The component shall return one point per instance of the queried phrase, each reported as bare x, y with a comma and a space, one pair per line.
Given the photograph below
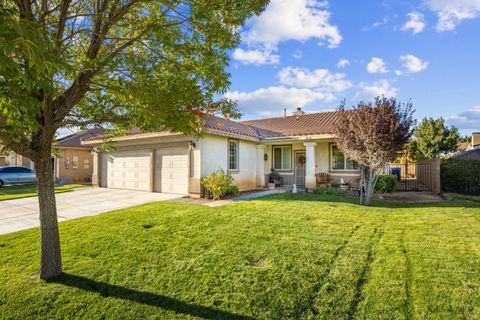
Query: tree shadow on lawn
375, 203
151, 299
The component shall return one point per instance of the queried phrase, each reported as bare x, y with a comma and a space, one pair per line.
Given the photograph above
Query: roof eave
229, 134
140, 136
300, 137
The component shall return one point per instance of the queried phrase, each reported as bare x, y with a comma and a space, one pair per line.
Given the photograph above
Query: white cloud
285, 20
324, 4
377, 65
416, 22
376, 24
271, 101
469, 119
452, 12
257, 57
342, 63
398, 72
378, 88
413, 64
298, 54
321, 79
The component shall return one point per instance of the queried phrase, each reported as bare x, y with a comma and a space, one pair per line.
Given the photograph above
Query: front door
300, 168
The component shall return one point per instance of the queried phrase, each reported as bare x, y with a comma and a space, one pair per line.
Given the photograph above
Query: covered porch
299, 161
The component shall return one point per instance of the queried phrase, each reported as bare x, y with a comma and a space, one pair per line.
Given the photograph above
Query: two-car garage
159, 170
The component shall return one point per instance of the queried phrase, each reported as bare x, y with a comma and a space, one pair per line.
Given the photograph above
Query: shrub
386, 184
232, 189
328, 191
219, 184
460, 176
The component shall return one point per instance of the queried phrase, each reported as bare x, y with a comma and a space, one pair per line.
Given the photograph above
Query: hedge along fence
460, 176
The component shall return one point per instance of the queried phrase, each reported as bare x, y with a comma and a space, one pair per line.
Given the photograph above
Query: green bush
219, 184
232, 189
460, 176
328, 191
386, 184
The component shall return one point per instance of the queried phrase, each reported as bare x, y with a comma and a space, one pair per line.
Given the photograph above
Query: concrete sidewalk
21, 214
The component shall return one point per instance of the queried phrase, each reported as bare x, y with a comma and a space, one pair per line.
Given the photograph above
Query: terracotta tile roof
235, 127
74, 140
464, 146
307, 124
310, 123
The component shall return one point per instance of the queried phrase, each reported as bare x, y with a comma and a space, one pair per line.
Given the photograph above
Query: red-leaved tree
371, 134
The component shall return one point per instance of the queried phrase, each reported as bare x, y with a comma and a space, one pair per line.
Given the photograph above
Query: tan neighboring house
297, 147
469, 150
73, 162
13, 159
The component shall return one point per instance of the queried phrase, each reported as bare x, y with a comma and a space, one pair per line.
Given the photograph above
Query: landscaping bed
285, 256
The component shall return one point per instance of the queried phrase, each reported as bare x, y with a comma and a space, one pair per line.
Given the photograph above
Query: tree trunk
50, 259
370, 177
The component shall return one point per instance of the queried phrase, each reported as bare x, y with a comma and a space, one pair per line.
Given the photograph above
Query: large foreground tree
156, 65
371, 134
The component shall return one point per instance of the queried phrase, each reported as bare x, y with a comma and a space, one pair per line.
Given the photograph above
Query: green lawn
281, 257
25, 191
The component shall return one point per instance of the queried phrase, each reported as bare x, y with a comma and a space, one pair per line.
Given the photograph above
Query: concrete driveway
21, 214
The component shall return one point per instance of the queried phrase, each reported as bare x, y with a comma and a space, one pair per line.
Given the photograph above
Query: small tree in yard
371, 134
433, 138
156, 65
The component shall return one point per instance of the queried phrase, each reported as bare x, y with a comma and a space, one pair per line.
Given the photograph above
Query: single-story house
296, 147
13, 159
469, 150
73, 162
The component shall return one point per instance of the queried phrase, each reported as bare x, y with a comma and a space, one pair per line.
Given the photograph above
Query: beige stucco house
73, 162
13, 159
469, 150
296, 146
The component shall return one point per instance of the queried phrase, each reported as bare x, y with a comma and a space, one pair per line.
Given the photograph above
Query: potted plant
344, 185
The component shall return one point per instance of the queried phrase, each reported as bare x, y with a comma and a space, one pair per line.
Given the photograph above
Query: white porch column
310, 181
260, 165
95, 168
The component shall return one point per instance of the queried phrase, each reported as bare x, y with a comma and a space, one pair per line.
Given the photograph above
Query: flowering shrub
219, 184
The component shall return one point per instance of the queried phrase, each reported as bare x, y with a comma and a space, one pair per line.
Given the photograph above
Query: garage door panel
128, 170
172, 171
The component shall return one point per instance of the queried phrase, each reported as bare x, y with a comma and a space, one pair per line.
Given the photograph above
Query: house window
340, 161
67, 163
282, 158
86, 163
233, 155
75, 162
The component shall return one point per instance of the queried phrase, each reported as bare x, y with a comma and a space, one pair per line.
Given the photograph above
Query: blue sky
313, 54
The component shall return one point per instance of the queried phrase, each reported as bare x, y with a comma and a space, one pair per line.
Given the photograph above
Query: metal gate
421, 176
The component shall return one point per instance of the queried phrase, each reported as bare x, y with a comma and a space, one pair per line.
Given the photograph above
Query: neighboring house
13, 159
297, 147
469, 150
73, 162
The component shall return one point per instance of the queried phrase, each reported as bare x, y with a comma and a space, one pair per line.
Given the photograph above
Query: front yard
26, 191
281, 257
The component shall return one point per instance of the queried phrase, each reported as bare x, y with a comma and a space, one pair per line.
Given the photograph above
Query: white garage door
126, 170
171, 175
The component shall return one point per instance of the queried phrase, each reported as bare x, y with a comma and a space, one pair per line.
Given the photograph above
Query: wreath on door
302, 160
